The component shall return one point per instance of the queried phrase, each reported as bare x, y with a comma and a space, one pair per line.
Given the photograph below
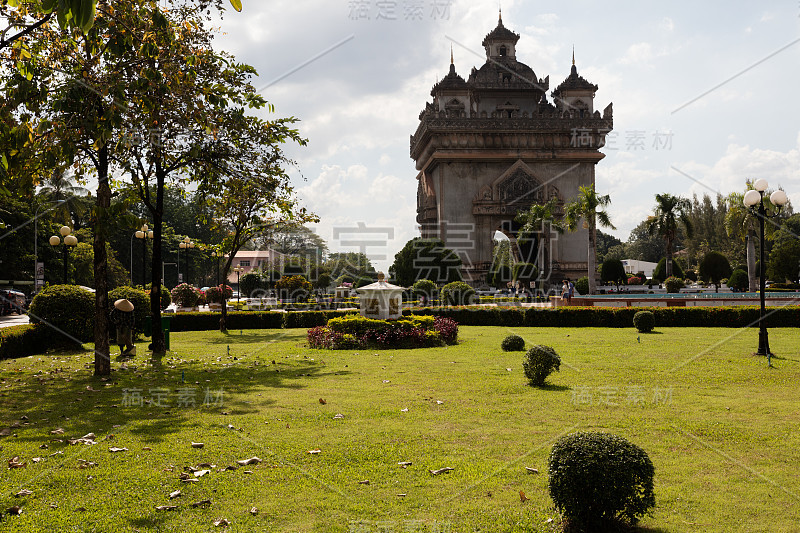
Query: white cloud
667, 24
639, 54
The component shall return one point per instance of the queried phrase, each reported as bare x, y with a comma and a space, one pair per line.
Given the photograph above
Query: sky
704, 94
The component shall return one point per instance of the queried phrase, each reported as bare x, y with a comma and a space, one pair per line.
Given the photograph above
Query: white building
251, 260
632, 266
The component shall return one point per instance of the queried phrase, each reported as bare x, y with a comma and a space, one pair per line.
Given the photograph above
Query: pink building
252, 260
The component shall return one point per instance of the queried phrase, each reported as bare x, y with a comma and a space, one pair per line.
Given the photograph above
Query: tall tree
425, 259
669, 212
589, 207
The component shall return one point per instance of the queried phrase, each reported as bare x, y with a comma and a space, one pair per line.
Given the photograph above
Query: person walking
123, 318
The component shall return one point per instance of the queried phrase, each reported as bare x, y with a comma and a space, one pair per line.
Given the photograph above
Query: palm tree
669, 211
57, 187
585, 207
537, 223
740, 222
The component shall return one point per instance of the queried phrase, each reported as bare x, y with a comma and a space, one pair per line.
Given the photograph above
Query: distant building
632, 266
253, 259
492, 145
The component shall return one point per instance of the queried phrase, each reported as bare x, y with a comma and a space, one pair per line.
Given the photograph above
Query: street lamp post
185, 245
238, 270
144, 233
36, 240
69, 242
754, 201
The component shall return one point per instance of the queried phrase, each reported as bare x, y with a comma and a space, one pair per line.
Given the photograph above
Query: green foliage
660, 272
457, 293
355, 331
293, 287
784, 258
739, 280
540, 362
249, 284
644, 321
139, 299
714, 267
582, 285
513, 343
185, 295
525, 273
670, 213
67, 309
25, 340
613, 271
691, 274
424, 287
597, 479
165, 296
673, 284
425, 259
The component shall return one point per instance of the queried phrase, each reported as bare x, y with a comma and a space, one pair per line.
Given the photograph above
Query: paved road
13, 320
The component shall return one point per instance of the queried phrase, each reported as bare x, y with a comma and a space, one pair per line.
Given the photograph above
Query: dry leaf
166, 507
57, 431
402, 495
14, 462
83, 463
197, 445
43, 447
114, 449
206, 465
314, 452
147, 449
323, 402
441, 470
338, 416
405, 464
190, 480
201, 473
15, 510
90, 436
252, 461
23, 492
531, 470
5, 432
221, 522
201, 503
254, 511
36, 459
439, 402
173, 495
522, 496
404, 410
247, 472
365, 482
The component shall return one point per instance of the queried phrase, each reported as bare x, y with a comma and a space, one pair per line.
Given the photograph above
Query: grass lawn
720, 427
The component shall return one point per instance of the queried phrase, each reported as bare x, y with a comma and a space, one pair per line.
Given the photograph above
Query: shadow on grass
240, 337
552, 387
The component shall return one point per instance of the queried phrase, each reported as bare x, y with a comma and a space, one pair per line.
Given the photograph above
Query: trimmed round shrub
293, 287
139, 299
424, 287
67, 309
185, 295
540, 362
581, 286
458, 293
739, 280
249, 284
166, 297
597, 479
644, 321
673, 284
513, 343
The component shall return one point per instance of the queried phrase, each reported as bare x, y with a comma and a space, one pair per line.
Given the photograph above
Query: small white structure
633, 266
381, 300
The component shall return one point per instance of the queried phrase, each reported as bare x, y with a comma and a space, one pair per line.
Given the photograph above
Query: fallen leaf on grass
201, 473
197, 445
441, 470
221, 523
254, 511
522, 496
43, 447
402, 495
87, 442
322, 401
201, 503
114, 449
166, 507
314, 452
530, 470
83, 463
36, 459
247, 472
405, 464
90, 436
23, 492
365, 482
147, 449
206, 465
15, 510
439, 402
14, 462
404, 410
5, 432
338, 416
57, 431
173, 495
252, 461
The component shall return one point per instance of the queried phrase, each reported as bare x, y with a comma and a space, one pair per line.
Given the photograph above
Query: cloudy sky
704, 93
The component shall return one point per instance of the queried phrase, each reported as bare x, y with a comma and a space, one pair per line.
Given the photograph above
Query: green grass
719, 426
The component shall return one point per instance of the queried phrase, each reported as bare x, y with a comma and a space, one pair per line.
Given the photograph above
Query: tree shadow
251, 338
553, 387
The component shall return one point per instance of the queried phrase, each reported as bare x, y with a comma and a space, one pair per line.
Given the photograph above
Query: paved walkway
13, 320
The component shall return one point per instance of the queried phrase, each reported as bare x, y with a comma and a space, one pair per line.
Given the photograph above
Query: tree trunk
223, 317
592, 259
102, 355
752, 275
159, 345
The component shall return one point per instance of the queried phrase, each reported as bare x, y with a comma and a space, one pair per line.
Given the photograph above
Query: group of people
567, 290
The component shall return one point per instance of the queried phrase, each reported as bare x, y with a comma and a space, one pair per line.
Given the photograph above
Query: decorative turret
451, 95
575, 93
501, 42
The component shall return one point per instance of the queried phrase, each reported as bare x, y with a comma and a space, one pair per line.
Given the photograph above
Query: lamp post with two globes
186, 244
70, 241
754, 201
144, 234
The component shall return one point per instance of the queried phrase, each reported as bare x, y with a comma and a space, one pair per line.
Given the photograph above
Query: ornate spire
500, 17
451, 54
573, 55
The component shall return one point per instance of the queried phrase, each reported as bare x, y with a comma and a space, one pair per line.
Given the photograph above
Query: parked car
11, 301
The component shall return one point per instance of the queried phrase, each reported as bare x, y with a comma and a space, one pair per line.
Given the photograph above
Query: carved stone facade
492, 145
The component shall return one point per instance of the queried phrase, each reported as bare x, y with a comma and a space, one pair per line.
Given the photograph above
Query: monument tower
493, 145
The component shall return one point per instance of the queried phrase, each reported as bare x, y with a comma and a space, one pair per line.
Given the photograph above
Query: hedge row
25, 340
253, 320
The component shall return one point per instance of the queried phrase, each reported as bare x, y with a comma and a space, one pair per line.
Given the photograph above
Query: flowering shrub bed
186, 295
355, 331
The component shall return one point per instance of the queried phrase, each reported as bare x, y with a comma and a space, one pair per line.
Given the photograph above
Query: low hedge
252, 320
25, 340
